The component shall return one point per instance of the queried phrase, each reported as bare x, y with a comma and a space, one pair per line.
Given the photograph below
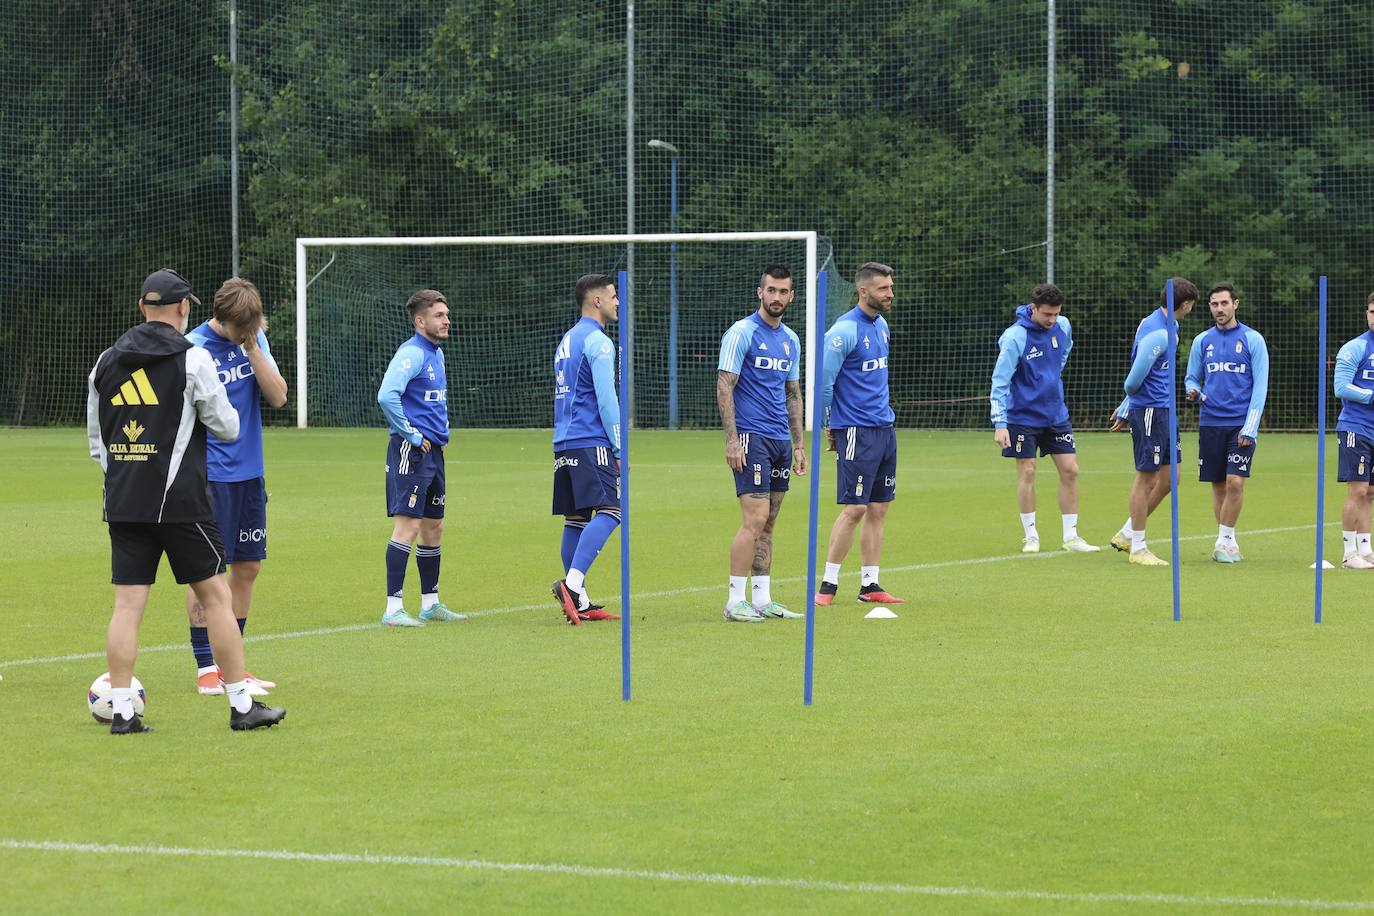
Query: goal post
814, 311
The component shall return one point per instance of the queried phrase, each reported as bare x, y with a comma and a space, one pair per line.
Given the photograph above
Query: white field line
706, 878
666, 593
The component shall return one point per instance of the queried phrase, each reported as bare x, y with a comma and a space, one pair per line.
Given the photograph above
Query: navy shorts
1051, 440
241, 516
584, 479
767, 465
193, 551
1150, 436
1356, 457
1219, 454
866, 470
415, 484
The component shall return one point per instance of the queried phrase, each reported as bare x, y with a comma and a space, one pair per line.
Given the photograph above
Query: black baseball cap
166, 287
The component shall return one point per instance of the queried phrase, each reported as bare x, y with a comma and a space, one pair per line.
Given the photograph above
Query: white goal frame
814, 311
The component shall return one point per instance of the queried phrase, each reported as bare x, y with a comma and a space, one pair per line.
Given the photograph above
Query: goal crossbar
814, 310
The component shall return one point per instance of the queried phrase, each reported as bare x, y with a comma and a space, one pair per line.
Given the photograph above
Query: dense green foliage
1217, 140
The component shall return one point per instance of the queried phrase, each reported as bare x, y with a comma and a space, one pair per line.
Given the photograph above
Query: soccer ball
100, 698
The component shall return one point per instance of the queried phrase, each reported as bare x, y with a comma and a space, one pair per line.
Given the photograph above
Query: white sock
201, 672
1363, 540
1348, 539
576, 579
428, 601
395, 603
1070, 526
763, 590
868, 575
238, 696
123, 700
832, 574
1225, 535
737, 588
1028, 523
1137, 541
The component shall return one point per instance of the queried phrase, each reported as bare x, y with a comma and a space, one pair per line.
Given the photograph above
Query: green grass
1027, 725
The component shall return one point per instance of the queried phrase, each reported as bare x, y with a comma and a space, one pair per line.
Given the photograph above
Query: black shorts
193, 549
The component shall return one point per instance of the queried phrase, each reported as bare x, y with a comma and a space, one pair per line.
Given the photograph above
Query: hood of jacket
149, 342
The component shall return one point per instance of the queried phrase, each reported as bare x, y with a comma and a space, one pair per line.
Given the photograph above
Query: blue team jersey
586, 411
1355, 385
414, 392
229, 462
1147, 385
1231, 369
854, 381
765, 358
1027, 381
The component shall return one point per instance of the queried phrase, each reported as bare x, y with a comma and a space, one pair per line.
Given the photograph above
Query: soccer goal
511, 300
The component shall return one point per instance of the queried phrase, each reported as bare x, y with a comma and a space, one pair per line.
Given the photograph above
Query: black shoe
828, 588
568, 601
257, 716
131, 726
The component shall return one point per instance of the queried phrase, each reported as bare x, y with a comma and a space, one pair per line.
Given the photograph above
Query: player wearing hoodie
1029, 413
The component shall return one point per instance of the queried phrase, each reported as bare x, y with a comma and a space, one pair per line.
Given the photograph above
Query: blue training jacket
854, 382
1355, 386
586, 411
414, 392
1027, 381
1231, 370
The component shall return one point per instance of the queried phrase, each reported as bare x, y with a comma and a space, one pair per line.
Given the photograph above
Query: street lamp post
670, 149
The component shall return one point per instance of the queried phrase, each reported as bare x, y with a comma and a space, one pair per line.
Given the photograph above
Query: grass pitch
1033, 734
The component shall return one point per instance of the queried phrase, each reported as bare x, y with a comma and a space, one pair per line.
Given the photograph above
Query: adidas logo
763, 346
135, 391
132, 430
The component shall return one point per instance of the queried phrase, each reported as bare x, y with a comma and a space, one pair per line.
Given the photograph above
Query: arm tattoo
725, 400
794, 413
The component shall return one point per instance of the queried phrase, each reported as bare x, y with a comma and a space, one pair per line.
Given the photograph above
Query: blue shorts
1052, 440
415, 483
1219, 454
241, 516
1356, 457
1150, 436
866, 470
767, 465
584, 479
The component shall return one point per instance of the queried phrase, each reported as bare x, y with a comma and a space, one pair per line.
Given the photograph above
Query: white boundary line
667, 593
707, 878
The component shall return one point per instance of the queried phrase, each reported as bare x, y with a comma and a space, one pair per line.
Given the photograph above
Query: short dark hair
871, 270
776, 271
588, 283
1046, 294
1184, 291
1222, 287
423, 301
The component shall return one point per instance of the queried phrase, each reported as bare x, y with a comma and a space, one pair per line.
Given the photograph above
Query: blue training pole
1173, 439
625, 395
1321, 439
811, 527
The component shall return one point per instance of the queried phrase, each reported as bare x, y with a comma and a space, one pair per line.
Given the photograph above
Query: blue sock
200, 645
243, 622
397, 555
427, 561
593, 539
572, 533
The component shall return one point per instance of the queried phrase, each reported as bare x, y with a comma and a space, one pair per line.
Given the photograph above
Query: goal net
510, 300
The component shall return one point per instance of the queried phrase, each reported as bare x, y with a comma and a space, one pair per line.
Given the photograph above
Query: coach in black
150, 399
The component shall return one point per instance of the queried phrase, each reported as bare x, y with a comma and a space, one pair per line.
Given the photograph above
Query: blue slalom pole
818, 358
625, 395
1173, 439
1321, 439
